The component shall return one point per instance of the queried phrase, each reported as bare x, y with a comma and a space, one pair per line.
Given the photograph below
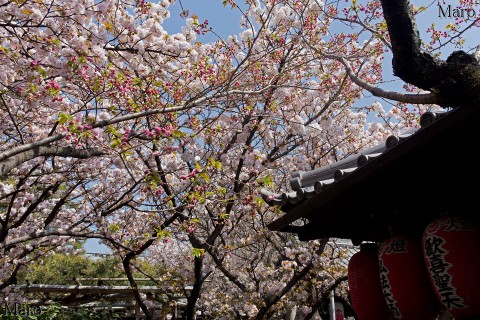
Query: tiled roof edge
306, 184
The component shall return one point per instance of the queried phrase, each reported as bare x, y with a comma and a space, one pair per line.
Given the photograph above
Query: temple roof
397, 186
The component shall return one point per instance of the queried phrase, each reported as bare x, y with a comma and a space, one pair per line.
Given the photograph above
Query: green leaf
215, 164
56, 41
162, 233
177, 134
267, 181
198, 252
137, 82
116, 142
42, 72
224, 216
63, 118
259, 200
205, 177
221, 190
113, 228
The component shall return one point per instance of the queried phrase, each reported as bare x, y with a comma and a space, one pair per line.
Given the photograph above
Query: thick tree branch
197, 287
424, 98
420, 98
409, 63
56, 209
29, 146
8, 165
127, 262
456, 81
34, 149
12, 279
51, 189
233, 278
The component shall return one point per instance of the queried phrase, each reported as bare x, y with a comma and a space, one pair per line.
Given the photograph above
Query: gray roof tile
309, 187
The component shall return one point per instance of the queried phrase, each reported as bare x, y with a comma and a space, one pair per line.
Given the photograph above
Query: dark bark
126, 262
196, 290
456, 81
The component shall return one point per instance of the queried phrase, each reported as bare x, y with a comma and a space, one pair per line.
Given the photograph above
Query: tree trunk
456, 81
197, 288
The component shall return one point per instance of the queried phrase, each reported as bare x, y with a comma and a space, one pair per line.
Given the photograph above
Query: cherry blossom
158, 144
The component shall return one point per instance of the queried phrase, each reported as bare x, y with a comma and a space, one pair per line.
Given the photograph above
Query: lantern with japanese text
404, 280
364, 282
451, 248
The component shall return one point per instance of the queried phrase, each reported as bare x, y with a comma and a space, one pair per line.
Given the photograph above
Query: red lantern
364, 282
405, 282
451, 248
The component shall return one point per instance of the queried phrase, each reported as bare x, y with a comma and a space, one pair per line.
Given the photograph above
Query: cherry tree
158, 144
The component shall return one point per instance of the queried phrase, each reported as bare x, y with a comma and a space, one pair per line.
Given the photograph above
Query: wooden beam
53, 288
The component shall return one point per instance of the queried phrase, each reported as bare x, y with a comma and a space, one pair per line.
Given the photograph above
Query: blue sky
223, 19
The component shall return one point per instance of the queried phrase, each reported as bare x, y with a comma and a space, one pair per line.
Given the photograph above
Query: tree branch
456, 81
197, 287
187, 106
409, 63
427, 98
421, 98
30, 146
298, 276
269, 302
8, 165
324, 297
233, 278
34, 149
